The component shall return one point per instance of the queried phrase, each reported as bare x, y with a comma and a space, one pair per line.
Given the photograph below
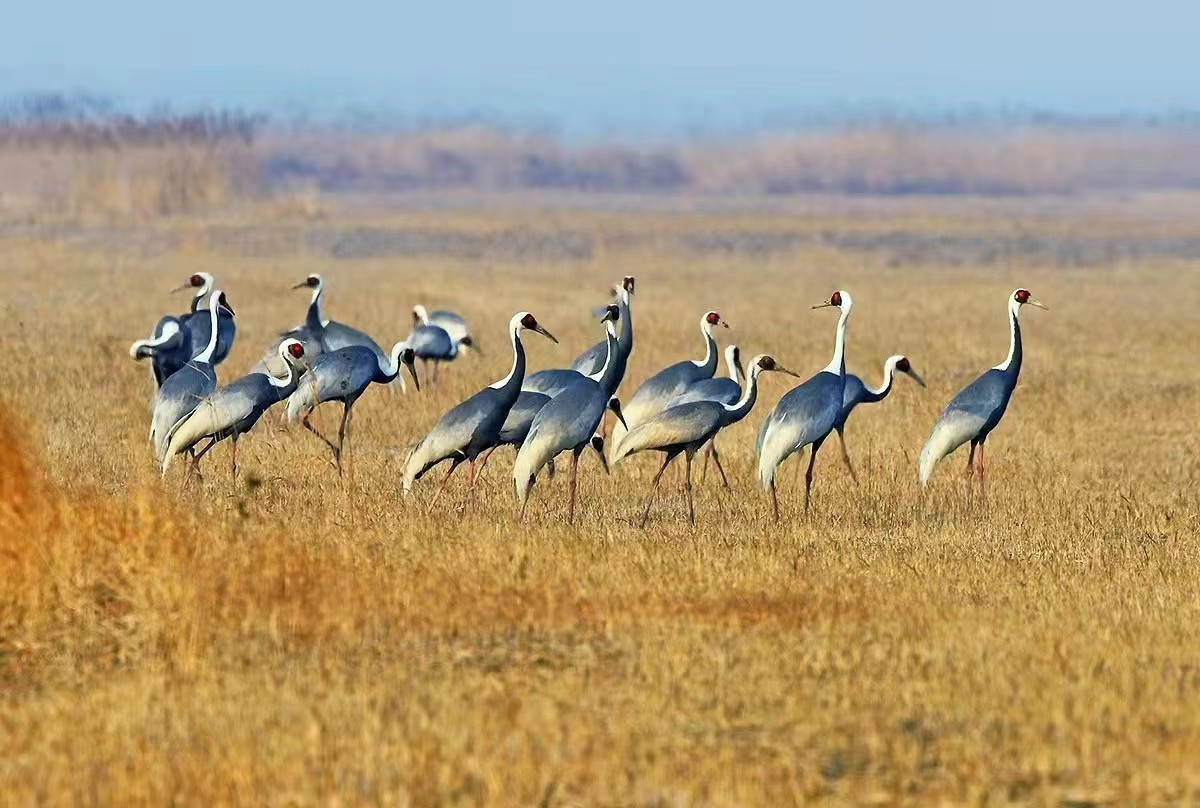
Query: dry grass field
293, 640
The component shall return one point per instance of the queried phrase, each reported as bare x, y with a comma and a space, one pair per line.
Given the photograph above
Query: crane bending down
233, 410
568, 422
344, 375
722, 389
473, 426
168, 349
657, 392
184, 390
857, 393
553, 381
806, 414
451, 322
977, 409
685, 428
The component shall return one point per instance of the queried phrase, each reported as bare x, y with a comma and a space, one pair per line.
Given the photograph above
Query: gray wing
339, 335
660, 389
592, 360
452, 323
852, 396
553, 382
678, 425
721, 390
431, 342
520, 417
176, 399
806, 413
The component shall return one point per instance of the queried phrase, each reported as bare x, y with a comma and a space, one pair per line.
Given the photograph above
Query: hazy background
634, 67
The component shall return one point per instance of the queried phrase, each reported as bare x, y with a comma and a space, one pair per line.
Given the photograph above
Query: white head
901, 364
291, 351
710, 321
420, 315
314, 282
839, 299
625, 290
524, 321
201, 283
1022, 297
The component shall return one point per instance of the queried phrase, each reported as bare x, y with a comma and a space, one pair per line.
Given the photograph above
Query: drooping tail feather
952, 431
533, 455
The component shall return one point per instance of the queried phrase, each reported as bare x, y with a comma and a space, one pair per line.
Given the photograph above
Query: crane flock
680, 410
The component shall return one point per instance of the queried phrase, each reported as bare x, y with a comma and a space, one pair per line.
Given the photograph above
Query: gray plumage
183, 391
233, 409
520, 417
567, 423
977, 409
805, 415
657, 392
592, 360
473, 426
724, 389
453, 323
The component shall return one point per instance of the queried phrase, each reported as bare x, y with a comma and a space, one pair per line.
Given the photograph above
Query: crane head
905, 367
295, 349
837, 300
528, 322
763, 363
311, 282
611, 314
200, 281
712, 319
628, 283
1024, 296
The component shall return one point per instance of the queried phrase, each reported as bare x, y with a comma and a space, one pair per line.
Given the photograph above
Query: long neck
709, 362
207, 354
738, 411
881, 392
389, 366
626, 339
286, 381
1012, 365
838, 364
316, 315
199, 299
609, 377
511, 384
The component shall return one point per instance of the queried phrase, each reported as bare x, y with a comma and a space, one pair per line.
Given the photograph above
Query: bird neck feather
1012, 364
837, 365
207, 354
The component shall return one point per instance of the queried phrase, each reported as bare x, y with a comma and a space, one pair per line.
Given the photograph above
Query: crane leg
970, 472
454, 464
654, 488
982, 478
308, 425
775, 501
808, 475
708, 450
846, 456
233, 457
572, 487
550, 470
687, 485
482, 465
716, 456
337, 453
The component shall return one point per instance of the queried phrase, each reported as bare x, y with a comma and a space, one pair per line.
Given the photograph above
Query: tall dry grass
289, 639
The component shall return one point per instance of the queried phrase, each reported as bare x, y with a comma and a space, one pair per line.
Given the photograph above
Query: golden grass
290, 640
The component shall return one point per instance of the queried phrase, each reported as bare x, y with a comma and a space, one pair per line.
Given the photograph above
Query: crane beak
181, 288
598, 445
913, 374
824, 305
301, 285
614, 404
546, 334
781, 369
410, 361
1039, 304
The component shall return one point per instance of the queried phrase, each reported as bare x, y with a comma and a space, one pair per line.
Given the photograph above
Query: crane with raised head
473, 426
568, 423
806, 414
977, 409
723, 389
199, 323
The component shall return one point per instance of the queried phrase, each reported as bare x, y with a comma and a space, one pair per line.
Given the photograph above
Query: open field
290, 640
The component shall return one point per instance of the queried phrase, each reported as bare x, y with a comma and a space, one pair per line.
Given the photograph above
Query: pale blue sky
592, 67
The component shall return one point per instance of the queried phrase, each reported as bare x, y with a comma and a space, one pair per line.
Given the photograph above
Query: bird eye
296, 350
713, 318
528, 321
836, 300
1022, 295
196, 280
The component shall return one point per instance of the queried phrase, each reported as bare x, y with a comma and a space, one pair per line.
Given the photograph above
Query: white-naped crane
553, 381
183, 391
684, 428
657, 392
857, 393
568, 423
806, 414
473, 426
977, 409
722, 389
200, 324
343, 375
432, 343
233, 409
